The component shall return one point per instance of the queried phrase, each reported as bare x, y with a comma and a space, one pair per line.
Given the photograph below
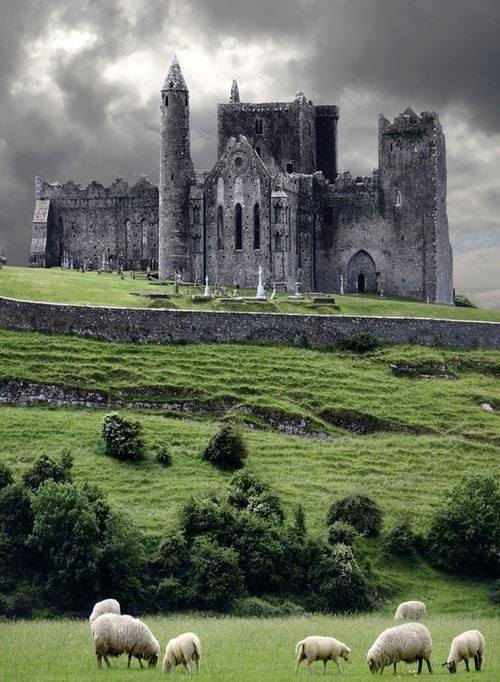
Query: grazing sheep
184, 649
469, 644
104, 606
321, 649
409, 643
114, 635
411, 610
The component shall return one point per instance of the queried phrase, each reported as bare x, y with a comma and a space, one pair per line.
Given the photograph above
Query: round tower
176, 176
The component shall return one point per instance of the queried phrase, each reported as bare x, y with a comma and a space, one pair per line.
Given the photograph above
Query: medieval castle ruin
273, 199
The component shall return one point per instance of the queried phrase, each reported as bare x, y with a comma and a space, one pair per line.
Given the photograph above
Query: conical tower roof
175, 79
235, 93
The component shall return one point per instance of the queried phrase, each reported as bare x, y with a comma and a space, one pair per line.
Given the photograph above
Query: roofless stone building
274, 198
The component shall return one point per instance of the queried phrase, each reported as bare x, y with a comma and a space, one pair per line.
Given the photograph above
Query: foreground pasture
233, 648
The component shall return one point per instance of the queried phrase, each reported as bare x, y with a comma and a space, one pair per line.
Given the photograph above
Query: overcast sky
80, 81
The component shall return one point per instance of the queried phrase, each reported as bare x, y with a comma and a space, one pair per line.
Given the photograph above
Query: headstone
261, 292
341, 285
274, 295
206, 292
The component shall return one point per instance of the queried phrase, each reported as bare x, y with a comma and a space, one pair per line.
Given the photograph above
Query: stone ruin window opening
289, 167
171, 176
328, 215
238, 228
361, 283
196, 214
258, 126
186, 99
256, 226
257, 149
398, 199
166, 100
196, 243
220, 228
392, 146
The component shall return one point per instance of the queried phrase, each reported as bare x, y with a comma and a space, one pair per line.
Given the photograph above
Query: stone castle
273, 199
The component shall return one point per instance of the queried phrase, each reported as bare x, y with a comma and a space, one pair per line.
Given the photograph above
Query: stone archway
361, 274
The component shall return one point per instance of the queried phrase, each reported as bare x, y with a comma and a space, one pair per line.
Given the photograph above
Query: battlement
409, 122
94, 190
327, 111
345, 183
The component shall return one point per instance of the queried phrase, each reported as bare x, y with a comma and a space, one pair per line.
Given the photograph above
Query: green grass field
64, 286
243, 650
436, 430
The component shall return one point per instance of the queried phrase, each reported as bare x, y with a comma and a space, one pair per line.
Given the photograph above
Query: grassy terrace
62, 286
425, 431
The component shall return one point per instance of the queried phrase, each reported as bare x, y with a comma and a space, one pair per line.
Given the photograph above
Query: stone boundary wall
188, 326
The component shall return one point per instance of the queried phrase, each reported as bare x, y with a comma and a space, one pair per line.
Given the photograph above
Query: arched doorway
361, 274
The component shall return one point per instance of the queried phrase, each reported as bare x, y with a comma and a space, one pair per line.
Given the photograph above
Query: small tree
400, 540
465, 533
46, 469
122, 437
338, 582
227, 448
360, 511
215, 579
344, 533
248, 492
6, 477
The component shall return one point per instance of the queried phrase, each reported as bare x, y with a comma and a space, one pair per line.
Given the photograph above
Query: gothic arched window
238, 228
256, 226
220, 228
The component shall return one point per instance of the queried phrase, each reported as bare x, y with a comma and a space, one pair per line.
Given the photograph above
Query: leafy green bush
46, 469
400, 540
16, 524
464, 536
122, 437
209, 516
360, 343
344, 533
227, 448
215, 579
358, 510
337, 581
6, 477
257, 607
248, 492
494, 595
164, 457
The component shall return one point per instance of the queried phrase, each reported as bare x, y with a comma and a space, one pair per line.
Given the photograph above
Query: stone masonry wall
174, 326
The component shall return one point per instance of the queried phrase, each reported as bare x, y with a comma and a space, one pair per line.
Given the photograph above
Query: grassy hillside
63, 286
258, 649
423, 433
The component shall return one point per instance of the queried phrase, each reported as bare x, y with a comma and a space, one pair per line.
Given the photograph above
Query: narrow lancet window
238, 228
256, 226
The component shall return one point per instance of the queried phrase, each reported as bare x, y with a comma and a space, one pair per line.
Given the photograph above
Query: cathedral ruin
275, 198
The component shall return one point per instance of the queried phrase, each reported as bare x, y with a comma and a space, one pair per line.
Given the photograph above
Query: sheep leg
324, 666
429, 666
106, 659
479, 661
300, 658
128, 662
395, 671
189, 667
419, 666
140, 662
467, 664
309, 667
197, 663
99, 660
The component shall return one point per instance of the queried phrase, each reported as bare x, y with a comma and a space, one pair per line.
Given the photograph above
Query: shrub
16, 523
338, 582
256, 607
164, 457
122, 437
299, 516
248, 492
360, 343
344, 533
465, 533
494, 595
215, 579
400, 540
227, 448
209, 516
6, 477
46, 469
358, 510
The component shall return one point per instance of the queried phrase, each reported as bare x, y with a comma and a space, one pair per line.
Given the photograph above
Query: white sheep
114, 635
184, 649
409, 643
104, 606
469, 644
321, 649
411, 610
